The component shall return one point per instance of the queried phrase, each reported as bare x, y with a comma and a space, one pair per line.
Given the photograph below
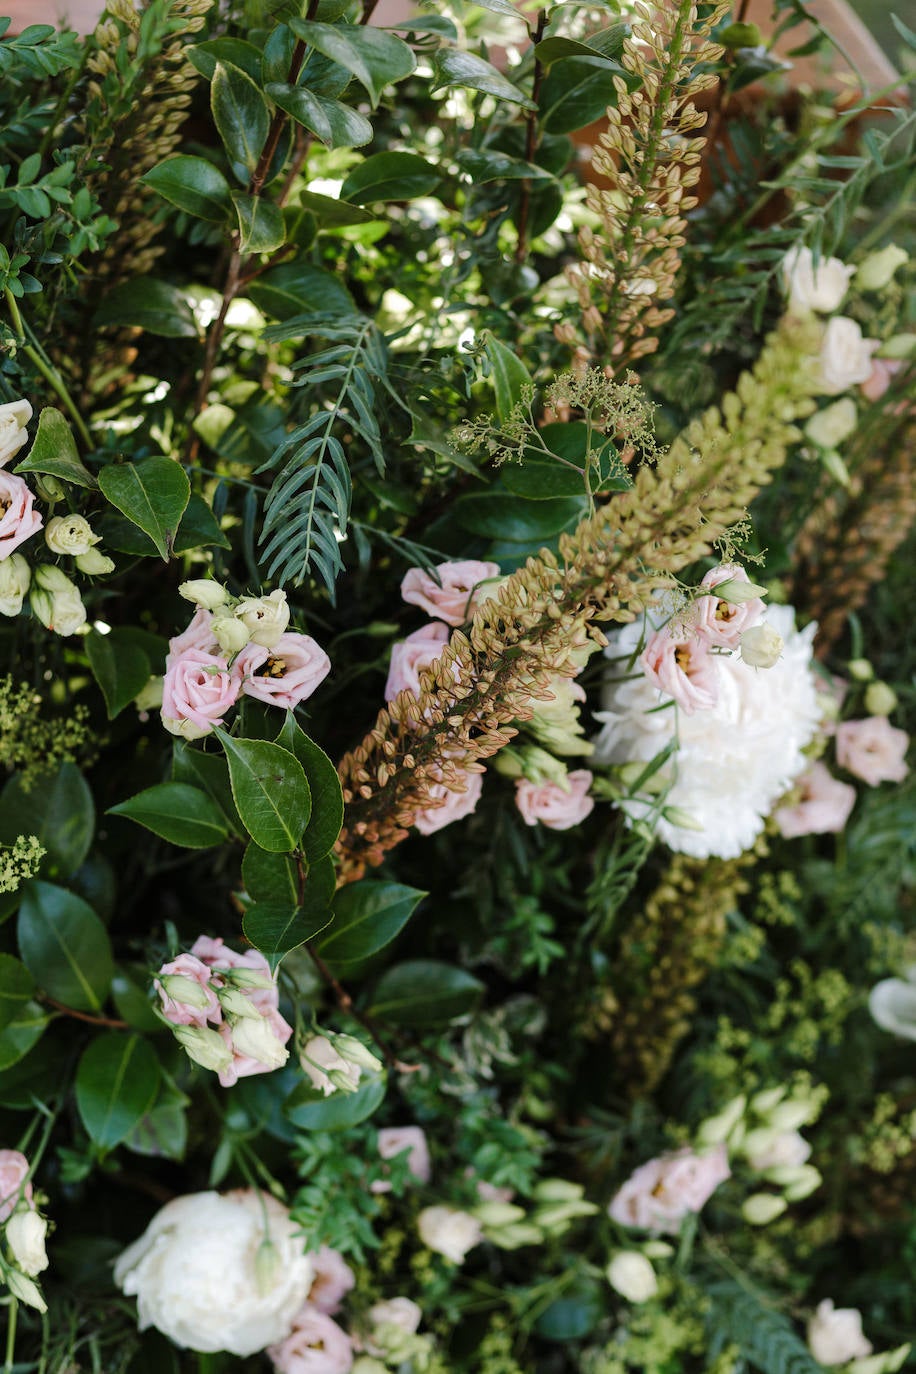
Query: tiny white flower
819, 288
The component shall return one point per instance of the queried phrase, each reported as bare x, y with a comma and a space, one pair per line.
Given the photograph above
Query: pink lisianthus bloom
722, 623
411, 655
872, 750
198, 636
18, 521
456, 805
197, 692
552, 804
284, 674
14, 1170
182, 1013
660, 1194
333, 1280
682, 668
822, 809
246, 1065
455, 599
393, 1140
883, 371
316, 1345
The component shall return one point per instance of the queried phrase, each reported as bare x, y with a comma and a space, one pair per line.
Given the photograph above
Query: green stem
46, 368
15, 315
11, 1336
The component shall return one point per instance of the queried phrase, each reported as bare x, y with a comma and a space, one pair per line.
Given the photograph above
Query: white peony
735, 759
195, 1272
815, 288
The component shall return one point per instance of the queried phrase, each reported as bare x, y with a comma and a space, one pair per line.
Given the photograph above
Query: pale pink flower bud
319, 1060
557, 805
187, 996
453, 597
872, 750
394, 1140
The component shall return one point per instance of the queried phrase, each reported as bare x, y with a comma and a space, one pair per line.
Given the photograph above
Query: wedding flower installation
456, 827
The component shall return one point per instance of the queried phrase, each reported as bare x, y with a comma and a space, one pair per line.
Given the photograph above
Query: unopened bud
676, 815
880, 699
203, 591
788, 1116
204, 1046
763, 1103
25, 1289
632, 1276
498, 1213
898, 347
876, 270
740, 35
355, 1052
717, 1129
762, 1208
25, 1235
94, 564
234, 1000
834, 466
253, 1037
761, 646
267, 1266
735, 591
557, 1190
230, 634
343, 1082
516, 1235
245, 977
178, 988
860, 669
796, 1182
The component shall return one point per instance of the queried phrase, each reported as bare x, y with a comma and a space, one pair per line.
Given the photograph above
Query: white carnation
736, 759
195, 1272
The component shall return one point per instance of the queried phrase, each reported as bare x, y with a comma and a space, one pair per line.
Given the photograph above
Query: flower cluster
213, 986
22, 1228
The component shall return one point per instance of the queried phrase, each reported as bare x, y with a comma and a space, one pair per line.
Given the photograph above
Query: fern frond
738, 1316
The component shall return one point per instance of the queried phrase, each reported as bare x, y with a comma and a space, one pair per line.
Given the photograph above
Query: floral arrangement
456, 837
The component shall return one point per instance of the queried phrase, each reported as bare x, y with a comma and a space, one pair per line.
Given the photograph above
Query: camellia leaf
116, 1084
270, 878
324, 784
64, 946
204, 56
240, 113
261, 225
54, 451
194, 185
276, 929
425, 992
455, 67
58, 809
576, 92
313, 1112
270, 791
367, 916
374, 57
508, 374
336, 124
298, 288
152, 494
181, 814
119, 666
156, 306
16, 988
210, 772
21, 1034
390, 176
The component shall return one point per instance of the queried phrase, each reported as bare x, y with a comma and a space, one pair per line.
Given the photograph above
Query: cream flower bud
245, 977
94, 564
203, 591
234, 1001
788, 1116
355, 1052
55, 601
149, 698
761, 646
876, 270
230, 634
25, 1235
763, 1102
736, 591
25, 1289
880, 699
449, 1232
796, 1183
860, 669
829, 427
898, 346
762, 1208
557, 1190
15, 576
834, 466
631, 1275
265, 617
70, 534
326, 1068
185, 990
255, 1038
716, 1129
204, 1046
267, 1264
14, 416
498, 1213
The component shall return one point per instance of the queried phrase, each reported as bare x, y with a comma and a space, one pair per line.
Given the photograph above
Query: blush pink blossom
197, 692
18, 521
181, 1013
660, 1194
883, 371
454, 597
216, 954
411, 655
198, 636
316, 1345
872, 750
719, 622
333, 1280
682, 668
552, 804
822, 809
455, 806
245, 1065
393, 1140
14, 1170
286, 673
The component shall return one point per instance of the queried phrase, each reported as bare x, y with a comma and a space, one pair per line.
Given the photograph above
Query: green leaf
150, 304
240, 113
270, 791
538, 478
331, 213
270, 878
367, 917
261, 224
199, 528
455, 67
24, 1031
119, 666
324, 784
276, 929
194, 185
116, 1084
181, 814
204, 56
210, 772
58, 809
340, 1110
64, 946
54, 451
129, 994
390, 176
335, 124
504, 517
576, 92
16, 987
508, 374
152, 494
487, 165
163, 1132
298, 288
425, 992
374, 57
573, 1314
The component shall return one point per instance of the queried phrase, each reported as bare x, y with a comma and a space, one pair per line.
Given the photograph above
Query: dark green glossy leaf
199, 528
146, 303
129, 994
270, 791
194, 185
425, 992
58, 808
204, 56
340, 1110
152, 494
261, 225
276, 929
298, 288
270, 878
483, 166
576, 92
374, 57
327, 797
455, 67
508, 374
182, 814
64, 946
336, 124
119, 666
506, 518
16, 988
390, 176
20, 1034
116, 1084
367, 917
54, 451
240, 113
210, 772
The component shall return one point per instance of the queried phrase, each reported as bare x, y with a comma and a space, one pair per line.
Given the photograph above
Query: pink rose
660, 1193
723, 622
822, 809
556, 806
18, 521
393, 1140
14, 1170
333, 1278
184, 1013
197, 691
245, 1065
198, 636
411, 655
883, 371
284, 674
455, 807
316, 1345
683, 668
872, 750
454, 596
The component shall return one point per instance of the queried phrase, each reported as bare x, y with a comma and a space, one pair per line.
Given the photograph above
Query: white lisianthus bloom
195, 1272
70, 534
845, 357
632, 1276
15, 576
449, 1232
398, 1312
819, 288
735, 759
14, 416
835, 1334
264, 617
25, 1235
